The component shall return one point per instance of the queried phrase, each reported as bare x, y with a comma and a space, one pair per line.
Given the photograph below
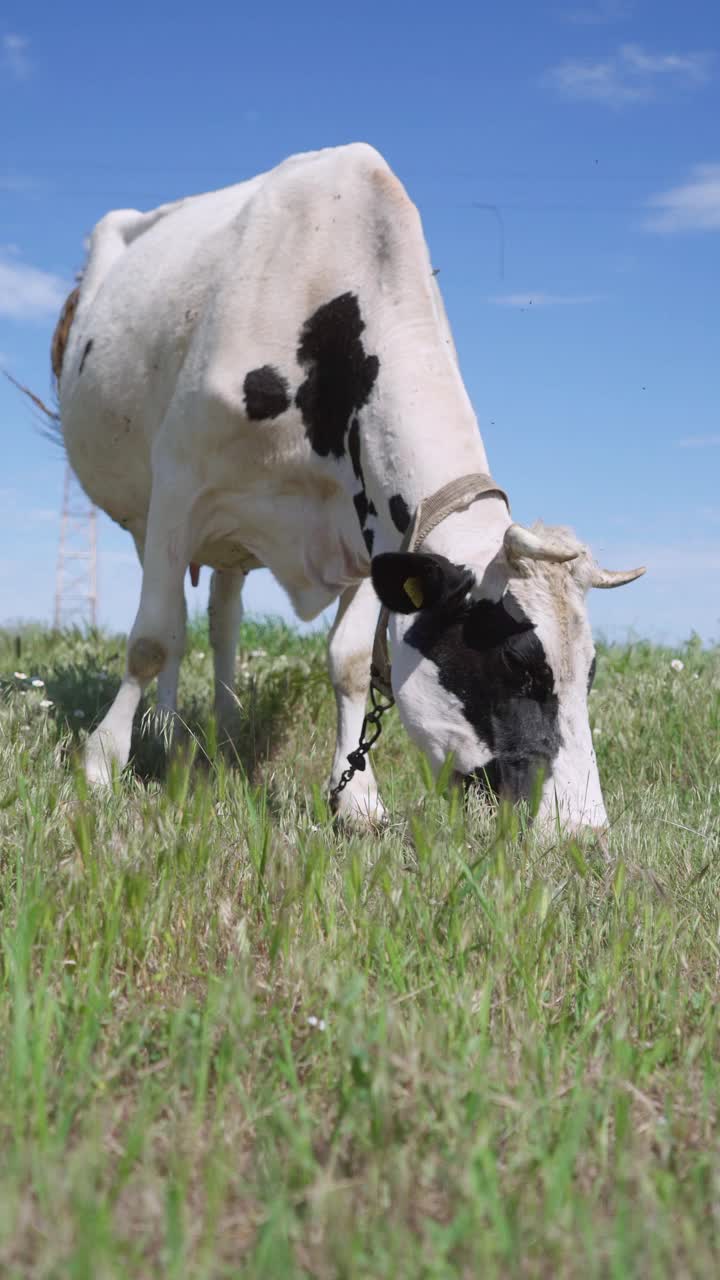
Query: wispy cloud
16, 182
15, 60
28, 293
15, 512
699, 442
120, 557
522, 300
43, 515
599, 14
682, 562
665, 561
694, 206
629, 76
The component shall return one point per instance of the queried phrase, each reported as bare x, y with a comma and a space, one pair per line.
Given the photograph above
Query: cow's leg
225, 616
167, 681
349, 656
157, 638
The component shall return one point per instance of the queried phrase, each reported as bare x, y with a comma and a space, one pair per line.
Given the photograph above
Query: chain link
356, 759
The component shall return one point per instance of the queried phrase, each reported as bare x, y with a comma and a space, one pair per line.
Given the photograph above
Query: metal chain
356, 759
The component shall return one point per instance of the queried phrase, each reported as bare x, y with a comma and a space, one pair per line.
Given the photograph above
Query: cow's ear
406, 581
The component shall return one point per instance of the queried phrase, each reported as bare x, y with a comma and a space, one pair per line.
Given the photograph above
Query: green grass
236, 1043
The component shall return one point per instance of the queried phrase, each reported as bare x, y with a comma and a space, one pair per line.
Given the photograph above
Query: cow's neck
419, 431
472, 537
413, 465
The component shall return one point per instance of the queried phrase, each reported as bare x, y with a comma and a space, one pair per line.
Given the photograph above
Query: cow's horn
520, 542
614, 577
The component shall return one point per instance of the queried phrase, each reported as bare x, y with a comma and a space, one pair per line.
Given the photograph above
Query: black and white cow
265, 375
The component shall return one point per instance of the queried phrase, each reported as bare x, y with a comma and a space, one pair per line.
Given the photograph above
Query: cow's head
495, 665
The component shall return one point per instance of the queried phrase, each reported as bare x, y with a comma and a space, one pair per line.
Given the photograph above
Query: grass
234, 1042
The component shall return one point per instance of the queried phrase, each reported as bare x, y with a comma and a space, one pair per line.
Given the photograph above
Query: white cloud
695, 206
15, 183
671, 601
522, 300
28, 293
628, 76
121, 557
693, 67
15, 60
15, 513
599, 14
665, 562
700, 442
677, 563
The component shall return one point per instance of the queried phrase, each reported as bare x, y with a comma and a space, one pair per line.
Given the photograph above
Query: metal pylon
76, 577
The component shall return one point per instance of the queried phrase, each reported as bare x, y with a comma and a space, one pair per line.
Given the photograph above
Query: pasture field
235, 1042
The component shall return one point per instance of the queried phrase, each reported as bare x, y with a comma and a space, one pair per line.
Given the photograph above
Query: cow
265, 376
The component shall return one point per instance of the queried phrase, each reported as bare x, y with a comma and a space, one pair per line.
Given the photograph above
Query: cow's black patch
591, 673
399, 512
354, 449
266, 393
361, 506
509, 779
443, 586
369, 536
85, 354
340, 376
489, 656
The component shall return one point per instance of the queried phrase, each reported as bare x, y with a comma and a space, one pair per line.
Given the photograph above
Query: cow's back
178, 301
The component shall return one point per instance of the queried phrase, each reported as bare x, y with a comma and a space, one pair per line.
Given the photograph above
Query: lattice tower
76, 577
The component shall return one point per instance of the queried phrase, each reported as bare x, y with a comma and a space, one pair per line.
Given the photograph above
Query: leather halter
455, 496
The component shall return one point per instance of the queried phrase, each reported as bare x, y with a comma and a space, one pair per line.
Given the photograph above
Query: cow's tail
50, 426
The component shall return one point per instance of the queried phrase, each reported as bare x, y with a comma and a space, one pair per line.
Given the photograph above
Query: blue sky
565, 158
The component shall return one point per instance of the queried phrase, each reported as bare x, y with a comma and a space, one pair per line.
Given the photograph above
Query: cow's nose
507, 779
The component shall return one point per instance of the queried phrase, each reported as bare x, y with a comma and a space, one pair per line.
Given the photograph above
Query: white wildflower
20, 675
677, 665
37, 683
319, 1023
46, 702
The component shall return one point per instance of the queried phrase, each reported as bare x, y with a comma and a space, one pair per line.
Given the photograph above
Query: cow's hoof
101, 752
364, 812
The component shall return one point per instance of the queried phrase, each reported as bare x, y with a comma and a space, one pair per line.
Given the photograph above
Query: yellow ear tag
413, 590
